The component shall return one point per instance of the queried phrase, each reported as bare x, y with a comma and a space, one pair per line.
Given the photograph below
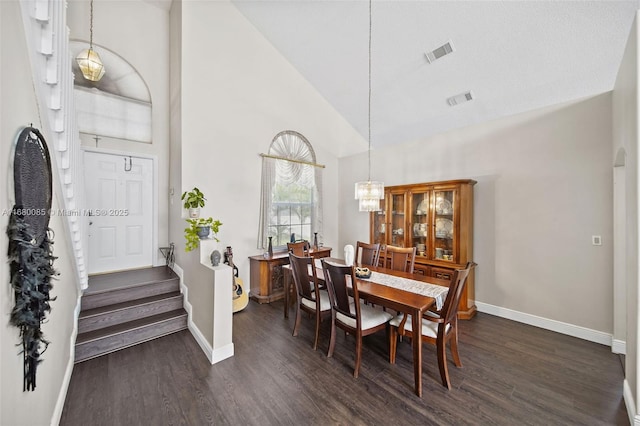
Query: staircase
125, 308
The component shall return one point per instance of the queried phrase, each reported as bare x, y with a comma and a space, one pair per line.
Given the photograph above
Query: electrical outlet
596, 240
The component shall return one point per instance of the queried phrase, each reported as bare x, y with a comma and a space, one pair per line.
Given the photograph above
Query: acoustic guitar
240, 296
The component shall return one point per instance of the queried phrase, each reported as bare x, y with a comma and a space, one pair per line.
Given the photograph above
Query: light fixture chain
369, 105
91, 26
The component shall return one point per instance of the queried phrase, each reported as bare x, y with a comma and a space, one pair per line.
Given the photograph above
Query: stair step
110, 339
120, 287
107, 316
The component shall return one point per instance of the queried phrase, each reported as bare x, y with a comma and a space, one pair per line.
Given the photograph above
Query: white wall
544, 188
625, 137
138, 31
238, 92
18, 108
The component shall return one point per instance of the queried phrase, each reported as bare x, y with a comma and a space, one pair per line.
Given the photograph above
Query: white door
119, 202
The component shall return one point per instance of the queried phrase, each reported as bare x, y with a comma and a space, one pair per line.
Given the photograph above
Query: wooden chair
311, 299
367, 254
349, 314
399, 258
300, 248
438, 327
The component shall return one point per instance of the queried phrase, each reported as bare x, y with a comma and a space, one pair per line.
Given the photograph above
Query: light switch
596, 240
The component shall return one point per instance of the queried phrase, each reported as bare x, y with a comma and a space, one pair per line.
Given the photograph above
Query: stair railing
47, 36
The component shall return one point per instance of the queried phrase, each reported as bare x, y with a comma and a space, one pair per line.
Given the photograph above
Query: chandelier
88, 60
369, 193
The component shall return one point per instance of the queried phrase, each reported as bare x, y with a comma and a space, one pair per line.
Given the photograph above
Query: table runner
438, 292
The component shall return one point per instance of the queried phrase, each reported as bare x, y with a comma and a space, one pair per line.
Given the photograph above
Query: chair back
300, 248
367, 254
450, 309
337, 278
400, 258
300, 272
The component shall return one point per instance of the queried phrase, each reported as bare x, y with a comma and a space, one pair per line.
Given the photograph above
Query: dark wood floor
513, 374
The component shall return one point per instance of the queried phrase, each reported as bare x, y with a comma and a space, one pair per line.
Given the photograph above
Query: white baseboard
66, 379
547, 324
222, 353
630, 404
619, 347
202, 341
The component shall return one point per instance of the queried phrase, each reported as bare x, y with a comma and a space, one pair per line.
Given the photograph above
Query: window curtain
266, 197
292, 145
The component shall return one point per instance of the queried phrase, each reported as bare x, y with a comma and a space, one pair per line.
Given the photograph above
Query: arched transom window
291, 191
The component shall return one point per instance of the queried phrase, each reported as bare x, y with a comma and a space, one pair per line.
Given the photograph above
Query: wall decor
30, 250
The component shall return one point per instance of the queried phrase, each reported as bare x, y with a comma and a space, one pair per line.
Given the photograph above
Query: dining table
404, 292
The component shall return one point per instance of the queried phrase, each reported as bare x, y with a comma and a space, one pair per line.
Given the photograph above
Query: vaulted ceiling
512, 56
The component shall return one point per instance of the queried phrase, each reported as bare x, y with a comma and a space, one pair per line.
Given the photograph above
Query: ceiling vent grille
461, 98
441, 51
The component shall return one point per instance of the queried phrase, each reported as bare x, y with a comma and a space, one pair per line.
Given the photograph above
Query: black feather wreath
31, 248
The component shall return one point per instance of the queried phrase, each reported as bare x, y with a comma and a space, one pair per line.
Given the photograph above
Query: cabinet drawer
422, 270
441, 273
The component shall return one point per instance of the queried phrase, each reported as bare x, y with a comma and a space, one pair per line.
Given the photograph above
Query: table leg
416, 341
287, 283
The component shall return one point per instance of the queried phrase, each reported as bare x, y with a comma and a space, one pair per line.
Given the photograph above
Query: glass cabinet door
397, 219
378, 225
419, 226
444, 226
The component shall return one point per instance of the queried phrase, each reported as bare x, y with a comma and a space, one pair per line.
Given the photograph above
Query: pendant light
369, 193
88, 60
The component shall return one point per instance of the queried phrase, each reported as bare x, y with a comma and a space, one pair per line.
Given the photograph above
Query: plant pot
204, 231
194, 213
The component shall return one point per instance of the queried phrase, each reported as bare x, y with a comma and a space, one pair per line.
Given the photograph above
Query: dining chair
399, 258
367, 254
350, 314
438, 327
311, 299
300, 248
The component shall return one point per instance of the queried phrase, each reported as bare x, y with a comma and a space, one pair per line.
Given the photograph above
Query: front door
119, 202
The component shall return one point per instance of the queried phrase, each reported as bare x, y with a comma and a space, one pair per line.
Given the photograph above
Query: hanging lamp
88, 60
369, 193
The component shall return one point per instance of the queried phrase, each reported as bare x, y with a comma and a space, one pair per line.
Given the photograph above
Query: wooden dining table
408, 302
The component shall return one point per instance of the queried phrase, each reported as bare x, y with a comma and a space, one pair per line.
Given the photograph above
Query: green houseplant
198, 229
192, 201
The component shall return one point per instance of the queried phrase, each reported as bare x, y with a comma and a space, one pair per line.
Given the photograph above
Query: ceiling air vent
461, 98
441, 51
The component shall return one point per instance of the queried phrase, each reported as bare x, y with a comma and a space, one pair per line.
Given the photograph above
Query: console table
267, 279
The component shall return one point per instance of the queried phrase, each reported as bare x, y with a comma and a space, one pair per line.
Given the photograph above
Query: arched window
291, 201
117, 106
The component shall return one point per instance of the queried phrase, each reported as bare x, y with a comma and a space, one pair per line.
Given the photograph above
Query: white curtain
266, 196
291, 145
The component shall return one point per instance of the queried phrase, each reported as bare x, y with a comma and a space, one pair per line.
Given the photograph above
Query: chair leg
441, 347
454, 348
332, 338
393, 342
297, 323
356, 368
315, 342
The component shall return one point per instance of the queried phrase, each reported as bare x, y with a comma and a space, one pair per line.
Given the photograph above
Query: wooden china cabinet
437, 219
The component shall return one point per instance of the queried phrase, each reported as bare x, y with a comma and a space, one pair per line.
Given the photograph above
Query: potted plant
192, 201
199, 229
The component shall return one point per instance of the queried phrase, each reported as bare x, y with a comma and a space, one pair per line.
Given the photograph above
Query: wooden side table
266, 275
